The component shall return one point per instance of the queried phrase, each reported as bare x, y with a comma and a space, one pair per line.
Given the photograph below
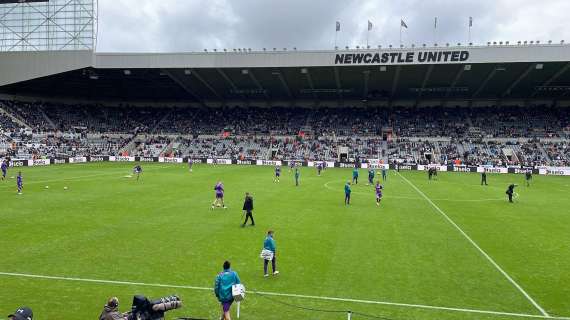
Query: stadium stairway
14, 118
45, 116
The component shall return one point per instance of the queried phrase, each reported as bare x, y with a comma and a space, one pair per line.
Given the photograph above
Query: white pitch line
505, 274
291, 295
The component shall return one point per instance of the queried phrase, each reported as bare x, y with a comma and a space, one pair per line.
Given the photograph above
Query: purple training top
379, 190
219, 188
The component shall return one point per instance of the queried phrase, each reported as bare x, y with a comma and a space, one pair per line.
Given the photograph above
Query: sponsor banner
246, 162
461, 169
345, 165
518, 170
268, 163
559, 171
170, 160
146, 159
404, 167
20, 163
555, 171
77, 160
122, 159
59, 161
100, 158
376, 165
492, 169
219, 161
427, 167
188, 160
41, 162
295, 163
327, 164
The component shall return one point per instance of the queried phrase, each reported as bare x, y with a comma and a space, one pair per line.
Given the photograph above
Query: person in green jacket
223, 289
297, 175
269, 244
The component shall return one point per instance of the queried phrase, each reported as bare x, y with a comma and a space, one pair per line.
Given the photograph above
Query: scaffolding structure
54, 25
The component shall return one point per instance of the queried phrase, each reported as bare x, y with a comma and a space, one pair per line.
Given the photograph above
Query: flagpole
400, 33
435, 30
335, 37
469, 32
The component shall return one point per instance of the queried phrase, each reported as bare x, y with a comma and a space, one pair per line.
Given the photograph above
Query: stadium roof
500, 73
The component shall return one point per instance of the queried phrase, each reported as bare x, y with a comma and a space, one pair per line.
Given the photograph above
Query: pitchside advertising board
21, 1
372, 164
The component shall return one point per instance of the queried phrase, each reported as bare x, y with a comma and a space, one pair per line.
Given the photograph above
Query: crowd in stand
536, 135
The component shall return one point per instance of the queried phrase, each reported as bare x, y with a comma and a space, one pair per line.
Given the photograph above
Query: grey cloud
192, 25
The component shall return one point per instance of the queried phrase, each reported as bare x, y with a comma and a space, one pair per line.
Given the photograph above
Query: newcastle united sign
403, 57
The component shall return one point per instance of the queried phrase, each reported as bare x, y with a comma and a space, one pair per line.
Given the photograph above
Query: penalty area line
291, 295
487, 256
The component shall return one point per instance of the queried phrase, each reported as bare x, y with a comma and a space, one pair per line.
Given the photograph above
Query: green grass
160, 230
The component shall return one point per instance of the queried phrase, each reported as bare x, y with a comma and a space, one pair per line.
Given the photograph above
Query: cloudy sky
193, 25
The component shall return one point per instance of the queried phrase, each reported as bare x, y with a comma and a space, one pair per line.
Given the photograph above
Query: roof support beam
366, 75
257, 84
395, 82
553, 78
424, 82
183, 85
455, 80
310, 81
519, 79
338, 83
279, 75
206, 84
484, 83
230, 82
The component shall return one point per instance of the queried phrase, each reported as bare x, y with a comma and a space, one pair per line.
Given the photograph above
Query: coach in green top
223, 289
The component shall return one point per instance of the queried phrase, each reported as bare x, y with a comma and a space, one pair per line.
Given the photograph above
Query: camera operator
111, 311
22, 313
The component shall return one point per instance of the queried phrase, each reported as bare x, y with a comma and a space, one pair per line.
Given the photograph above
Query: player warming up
277, 174
371, 176
190, 163
355, 175
510, 191
137, 170
347, 192
319, 168
378, 189
4, 167
528, 177
297, 176
20, 183
219, 202
384, 174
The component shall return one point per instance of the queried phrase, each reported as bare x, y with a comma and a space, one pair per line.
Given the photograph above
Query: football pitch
443, 249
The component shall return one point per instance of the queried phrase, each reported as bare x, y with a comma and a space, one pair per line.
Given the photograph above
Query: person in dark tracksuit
528, 177
510, 191
248, 208
484, 178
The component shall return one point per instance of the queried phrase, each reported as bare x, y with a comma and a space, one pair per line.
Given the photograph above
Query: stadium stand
530, 136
